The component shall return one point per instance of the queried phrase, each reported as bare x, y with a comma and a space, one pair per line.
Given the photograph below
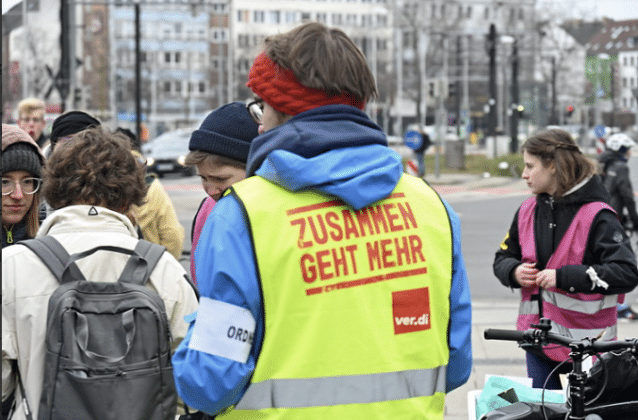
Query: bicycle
576, 407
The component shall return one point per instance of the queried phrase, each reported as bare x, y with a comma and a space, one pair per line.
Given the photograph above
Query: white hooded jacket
27, 285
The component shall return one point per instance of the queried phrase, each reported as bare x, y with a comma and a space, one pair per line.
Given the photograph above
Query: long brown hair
559, 147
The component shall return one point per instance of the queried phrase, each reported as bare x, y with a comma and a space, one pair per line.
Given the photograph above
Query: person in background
91, 183
22, 163
68, 124
156, 217
566, 250
219, 150
31, 113
615, 173
340, 279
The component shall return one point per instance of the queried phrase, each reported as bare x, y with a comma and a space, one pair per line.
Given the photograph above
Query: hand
546, 279
525, 274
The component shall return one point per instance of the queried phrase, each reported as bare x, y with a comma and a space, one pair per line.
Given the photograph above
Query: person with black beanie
68, 124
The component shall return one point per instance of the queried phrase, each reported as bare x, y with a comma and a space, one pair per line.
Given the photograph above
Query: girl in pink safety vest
566, 250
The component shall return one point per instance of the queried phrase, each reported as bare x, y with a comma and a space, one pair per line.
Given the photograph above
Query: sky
614, 9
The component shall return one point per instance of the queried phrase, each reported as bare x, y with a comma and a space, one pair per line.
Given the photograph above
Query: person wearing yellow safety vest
332, 284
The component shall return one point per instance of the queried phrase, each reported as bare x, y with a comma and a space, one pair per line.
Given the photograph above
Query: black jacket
608, 249
616, 180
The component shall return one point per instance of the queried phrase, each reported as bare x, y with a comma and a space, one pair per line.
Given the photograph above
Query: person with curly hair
92, 181
566, 250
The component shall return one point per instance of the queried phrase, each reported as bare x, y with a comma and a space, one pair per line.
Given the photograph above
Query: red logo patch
411, 310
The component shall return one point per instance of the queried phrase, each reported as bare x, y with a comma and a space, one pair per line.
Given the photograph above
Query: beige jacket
158, 220
27, 285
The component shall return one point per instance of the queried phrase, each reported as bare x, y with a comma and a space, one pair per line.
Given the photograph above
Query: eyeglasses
27, 185
256, 110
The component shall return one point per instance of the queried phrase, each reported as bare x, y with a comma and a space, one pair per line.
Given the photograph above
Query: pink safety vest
576, 315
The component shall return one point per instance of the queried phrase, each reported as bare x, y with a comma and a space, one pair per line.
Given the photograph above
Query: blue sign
599, 130
413, 140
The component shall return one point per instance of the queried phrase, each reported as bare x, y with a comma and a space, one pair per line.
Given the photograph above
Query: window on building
337, 19
274, 16
291, 17
178, 57
305, 16
178, 86
468, 12
351, 19
322, 17
632, 60
259, 16
486, 13
624, 82
382, 44
167, 87
382, 20
167, 57
366, 21
202, 87
521, 14
243, 16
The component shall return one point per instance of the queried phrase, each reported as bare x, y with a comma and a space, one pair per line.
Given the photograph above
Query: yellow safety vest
356, 304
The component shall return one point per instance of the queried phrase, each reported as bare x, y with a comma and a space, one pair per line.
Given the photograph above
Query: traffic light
569, 110
519, 110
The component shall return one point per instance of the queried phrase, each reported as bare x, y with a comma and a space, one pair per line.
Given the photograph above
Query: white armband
222, 329
595, 280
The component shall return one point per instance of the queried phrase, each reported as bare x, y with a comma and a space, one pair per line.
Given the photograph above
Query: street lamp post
515, 100
491, 45
138, 76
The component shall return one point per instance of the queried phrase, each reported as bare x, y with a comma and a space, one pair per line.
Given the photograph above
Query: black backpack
108, 353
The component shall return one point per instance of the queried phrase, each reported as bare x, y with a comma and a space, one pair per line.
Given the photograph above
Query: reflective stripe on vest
576, 315
357, 389
356, 303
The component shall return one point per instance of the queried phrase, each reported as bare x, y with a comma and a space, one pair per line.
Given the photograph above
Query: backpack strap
139, 273
54, 256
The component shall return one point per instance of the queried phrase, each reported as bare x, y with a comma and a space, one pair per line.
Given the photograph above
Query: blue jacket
335, 149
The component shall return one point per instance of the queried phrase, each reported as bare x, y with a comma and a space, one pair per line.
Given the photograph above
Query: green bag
489, 398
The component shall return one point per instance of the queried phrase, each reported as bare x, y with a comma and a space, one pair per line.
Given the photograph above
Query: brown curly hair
94, 167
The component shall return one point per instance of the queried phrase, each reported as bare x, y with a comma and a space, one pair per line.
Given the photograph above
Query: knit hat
21, 157
227, 131
280, 88
71, 123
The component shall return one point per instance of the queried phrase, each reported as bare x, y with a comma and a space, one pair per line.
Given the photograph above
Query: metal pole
515, 99
492, 101
23, 60
138, 76
554, 119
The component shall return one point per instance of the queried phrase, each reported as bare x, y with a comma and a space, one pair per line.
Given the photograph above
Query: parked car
167, 152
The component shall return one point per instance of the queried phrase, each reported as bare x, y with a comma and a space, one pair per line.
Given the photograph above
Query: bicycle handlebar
533, 335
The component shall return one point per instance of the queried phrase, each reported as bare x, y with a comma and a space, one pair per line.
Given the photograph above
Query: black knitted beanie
21, 157
227, 131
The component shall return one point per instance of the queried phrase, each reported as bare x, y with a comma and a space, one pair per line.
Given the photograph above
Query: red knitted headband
281, 90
